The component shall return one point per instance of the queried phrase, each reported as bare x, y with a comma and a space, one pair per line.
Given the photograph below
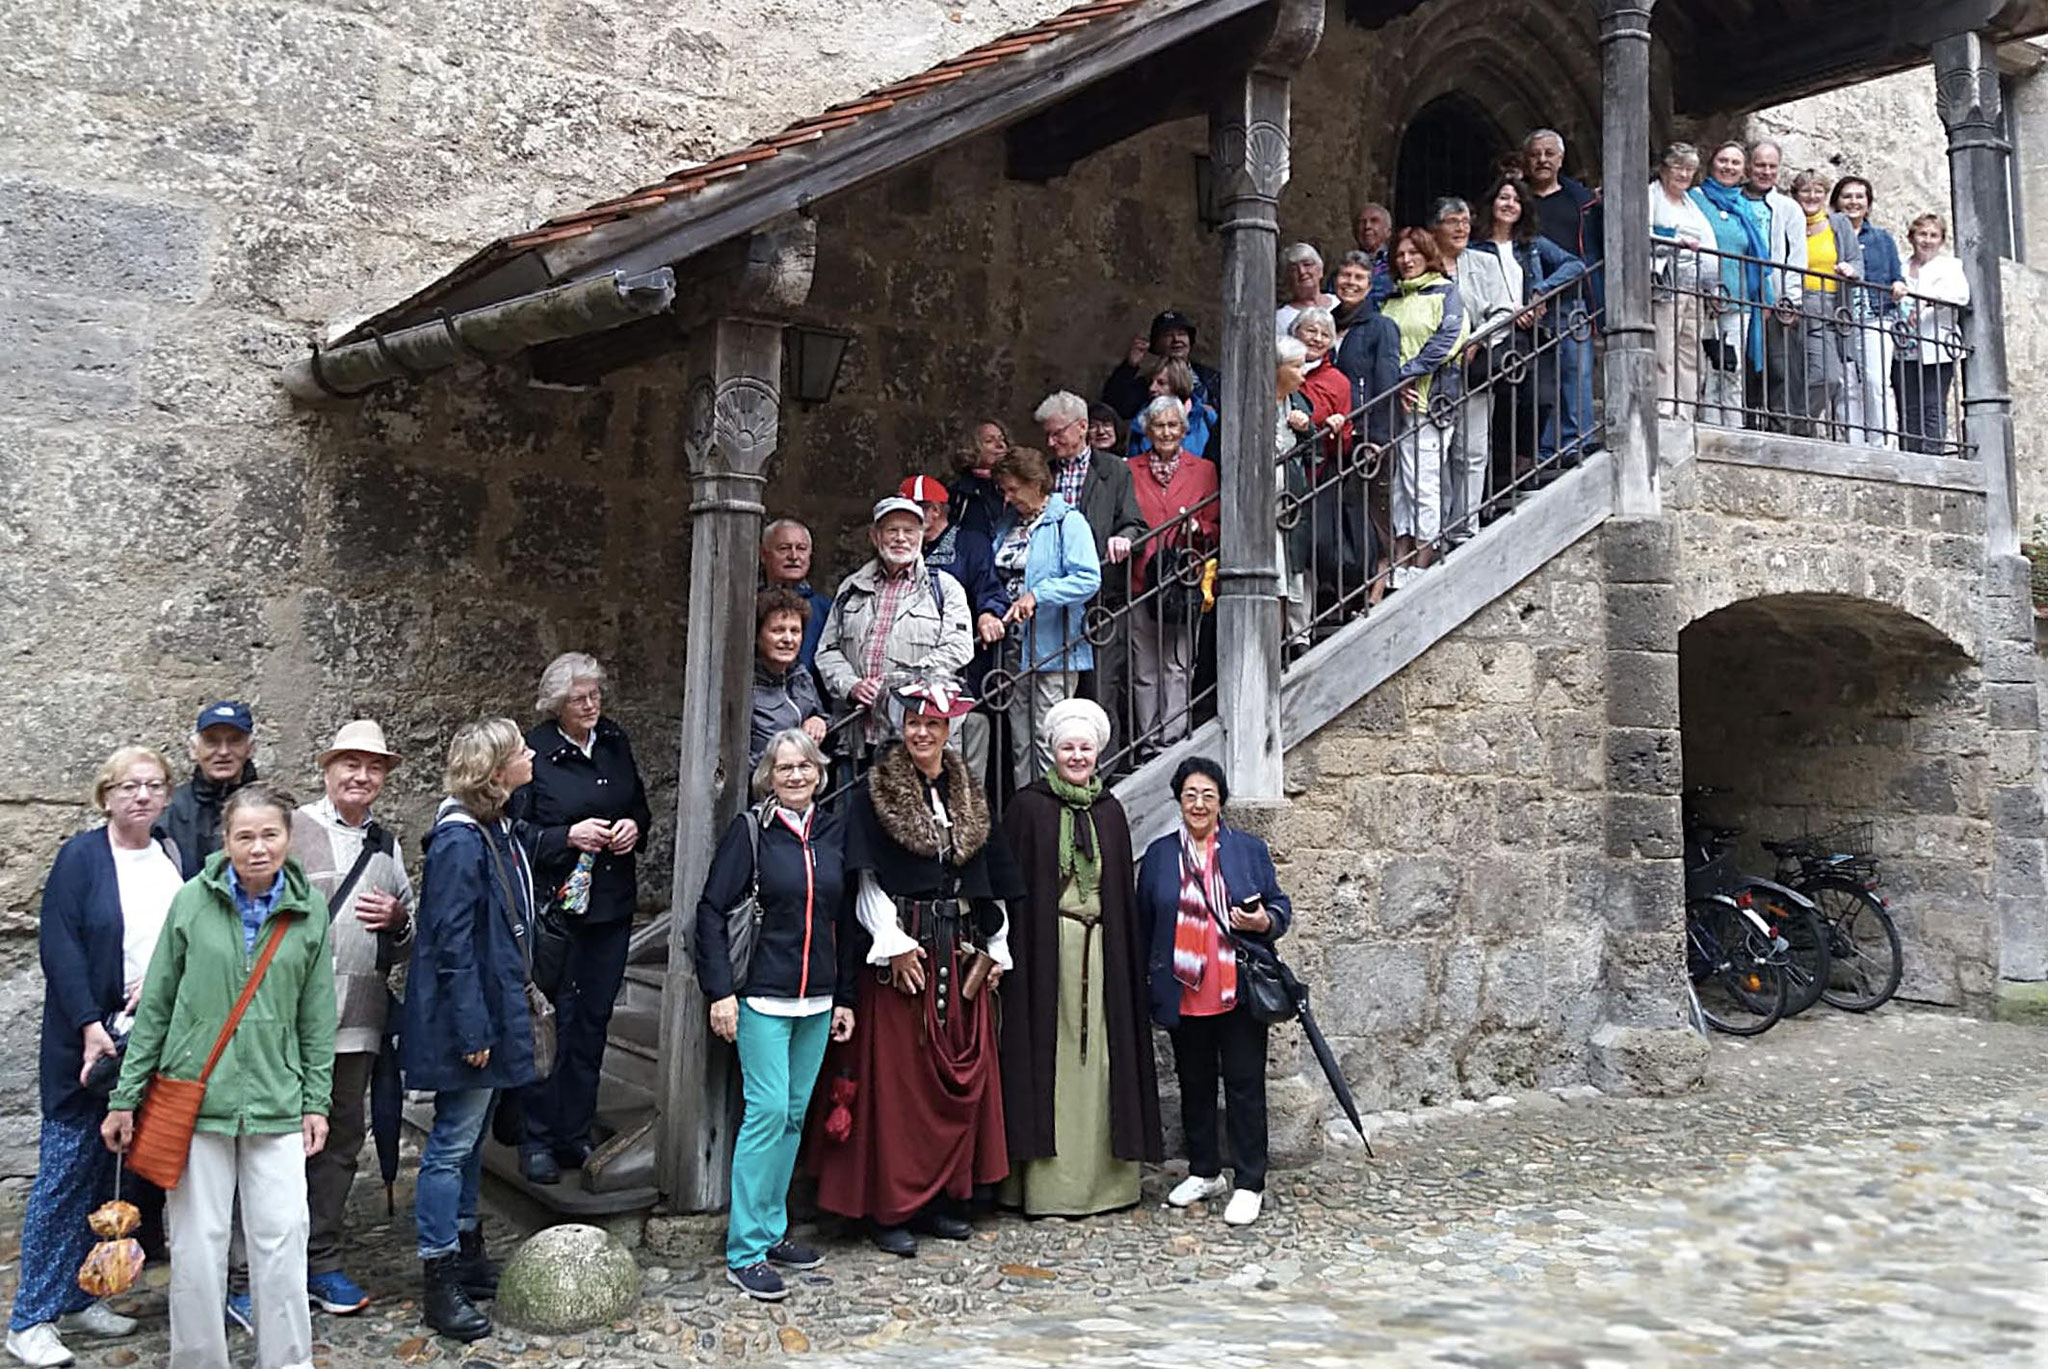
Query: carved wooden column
1631, 395
1248, 137
1966, 85
733, 422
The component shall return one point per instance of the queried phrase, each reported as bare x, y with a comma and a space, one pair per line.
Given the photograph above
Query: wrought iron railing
1836, 358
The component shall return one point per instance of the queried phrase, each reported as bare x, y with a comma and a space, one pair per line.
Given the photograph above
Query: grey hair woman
795, 991
588, 816
1301, 285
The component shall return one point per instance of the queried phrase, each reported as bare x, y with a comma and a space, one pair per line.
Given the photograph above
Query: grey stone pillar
1966, 87
1631, 393
1642, 1045
2019, 853
1248, 140
733, 423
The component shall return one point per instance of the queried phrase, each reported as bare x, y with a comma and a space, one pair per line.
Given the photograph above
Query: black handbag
1262, 981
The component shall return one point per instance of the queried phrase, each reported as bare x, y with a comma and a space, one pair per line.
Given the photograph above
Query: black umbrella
1298, 991
387, 1100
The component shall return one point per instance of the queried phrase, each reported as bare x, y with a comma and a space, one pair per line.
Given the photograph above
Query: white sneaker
39, 1347
1192, 1190
98, 1320
1243, 1208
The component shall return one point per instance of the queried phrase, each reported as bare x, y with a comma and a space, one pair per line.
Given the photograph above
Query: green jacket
279, 1065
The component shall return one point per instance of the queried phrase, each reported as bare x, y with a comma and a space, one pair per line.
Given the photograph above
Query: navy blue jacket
779, 968
568, 787
79, 937
967, 556
1371, 356
1247, 870
466, 989
975, 503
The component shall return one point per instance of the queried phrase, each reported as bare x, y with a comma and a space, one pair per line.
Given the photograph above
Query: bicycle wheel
1739, 985
1806, 937
1863, 942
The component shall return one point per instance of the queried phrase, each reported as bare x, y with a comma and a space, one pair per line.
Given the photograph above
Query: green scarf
1080, 858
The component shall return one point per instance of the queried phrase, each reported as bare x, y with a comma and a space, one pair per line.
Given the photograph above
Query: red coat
1329, 392
1194, 482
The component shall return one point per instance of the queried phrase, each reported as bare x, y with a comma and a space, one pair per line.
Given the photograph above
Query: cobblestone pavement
1846, 1192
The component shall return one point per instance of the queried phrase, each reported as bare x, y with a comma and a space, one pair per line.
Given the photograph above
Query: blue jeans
779, 1059
451, 1170
1574, 412
74, 1175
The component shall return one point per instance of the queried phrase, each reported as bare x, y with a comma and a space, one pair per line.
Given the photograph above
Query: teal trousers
779, 1059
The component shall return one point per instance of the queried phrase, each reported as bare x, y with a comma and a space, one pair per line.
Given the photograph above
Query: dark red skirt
927, 1110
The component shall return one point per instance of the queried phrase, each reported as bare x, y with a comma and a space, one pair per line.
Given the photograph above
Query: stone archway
1448, 148
1805, 711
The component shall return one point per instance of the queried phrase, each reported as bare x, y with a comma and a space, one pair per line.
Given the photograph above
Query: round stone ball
567, 1278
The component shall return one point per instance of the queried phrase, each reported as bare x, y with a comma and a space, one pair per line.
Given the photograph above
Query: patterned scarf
1080, 853
1194, 928
1164, 471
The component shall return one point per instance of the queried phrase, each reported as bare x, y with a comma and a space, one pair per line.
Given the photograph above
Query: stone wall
1827, 677
1446, 854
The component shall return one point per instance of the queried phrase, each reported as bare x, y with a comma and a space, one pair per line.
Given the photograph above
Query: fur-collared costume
927, 1108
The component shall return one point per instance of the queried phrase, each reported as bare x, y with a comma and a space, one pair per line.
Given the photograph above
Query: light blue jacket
1063, 573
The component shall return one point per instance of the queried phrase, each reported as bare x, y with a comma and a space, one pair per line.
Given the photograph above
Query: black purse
1264, 985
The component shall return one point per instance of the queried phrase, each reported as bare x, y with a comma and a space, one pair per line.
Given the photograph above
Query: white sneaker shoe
1243, 1208
39, 1347
98, 1320
1192, 1190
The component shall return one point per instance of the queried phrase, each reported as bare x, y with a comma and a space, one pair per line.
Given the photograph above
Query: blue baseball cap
226, 713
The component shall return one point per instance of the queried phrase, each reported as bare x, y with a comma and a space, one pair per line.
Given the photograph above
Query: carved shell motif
1968, 95
746, 418
1256, 151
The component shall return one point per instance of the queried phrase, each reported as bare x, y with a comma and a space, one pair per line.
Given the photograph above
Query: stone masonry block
1417, 892
1652, 1062
1952, 511
1643, 827
1642, 688
100, 243
2008, 577
64, 356
2011, 707
1385, 989
1643, 618
1643, 760
1637, 551
388, 515
1507, 892
2016, 811
2009, 662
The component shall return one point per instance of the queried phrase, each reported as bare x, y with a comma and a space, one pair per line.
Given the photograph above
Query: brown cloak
1030, 992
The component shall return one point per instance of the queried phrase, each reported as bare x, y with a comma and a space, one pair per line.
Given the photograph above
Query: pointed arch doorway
1449, 148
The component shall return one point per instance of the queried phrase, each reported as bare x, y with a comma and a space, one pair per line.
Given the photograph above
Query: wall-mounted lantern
815, 357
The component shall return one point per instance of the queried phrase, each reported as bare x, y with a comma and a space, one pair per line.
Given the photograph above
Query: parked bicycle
1837, 870
1710, 869
1736, 962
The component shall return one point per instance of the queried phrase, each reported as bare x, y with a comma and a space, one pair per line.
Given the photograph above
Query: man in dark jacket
1099, 485
1569, 214
1173, 337
223, 740
966, 555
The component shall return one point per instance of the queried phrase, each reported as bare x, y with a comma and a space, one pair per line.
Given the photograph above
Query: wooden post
1248, 136
1967, 89
733, 423
1631, 391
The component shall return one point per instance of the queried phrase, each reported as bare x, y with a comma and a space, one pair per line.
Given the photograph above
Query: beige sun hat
361, 735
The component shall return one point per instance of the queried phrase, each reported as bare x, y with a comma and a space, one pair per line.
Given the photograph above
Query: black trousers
1776, 395
559, 1110
1233, 1047
1922, 392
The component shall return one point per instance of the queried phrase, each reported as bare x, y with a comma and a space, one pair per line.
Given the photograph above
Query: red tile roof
804, 133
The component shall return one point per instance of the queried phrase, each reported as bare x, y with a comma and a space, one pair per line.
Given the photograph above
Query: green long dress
1083, 1176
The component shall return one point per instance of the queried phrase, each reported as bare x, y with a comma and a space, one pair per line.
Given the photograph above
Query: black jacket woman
1080, 1102
587, 811
798, 990
1198, 886
104, 905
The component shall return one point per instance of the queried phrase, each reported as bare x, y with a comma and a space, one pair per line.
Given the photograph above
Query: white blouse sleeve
877, 912
999, 941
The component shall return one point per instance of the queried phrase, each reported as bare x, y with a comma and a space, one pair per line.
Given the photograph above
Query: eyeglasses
588, 698
128, 789
787, 769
